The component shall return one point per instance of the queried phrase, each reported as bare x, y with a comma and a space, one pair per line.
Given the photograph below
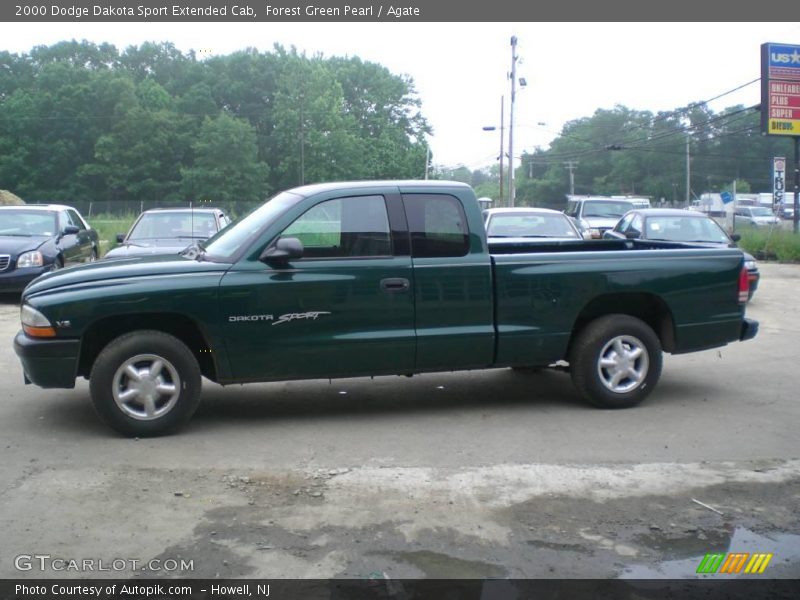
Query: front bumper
51, 363
16, 280
749, 330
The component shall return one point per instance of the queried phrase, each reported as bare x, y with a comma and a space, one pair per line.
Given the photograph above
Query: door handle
395, 284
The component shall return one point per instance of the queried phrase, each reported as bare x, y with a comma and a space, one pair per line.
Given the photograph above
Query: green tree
141, 157
226, 166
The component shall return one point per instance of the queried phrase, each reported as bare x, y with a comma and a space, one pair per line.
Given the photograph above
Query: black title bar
281, 11
384, 589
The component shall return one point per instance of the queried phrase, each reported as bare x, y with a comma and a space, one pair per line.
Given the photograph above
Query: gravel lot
478, 474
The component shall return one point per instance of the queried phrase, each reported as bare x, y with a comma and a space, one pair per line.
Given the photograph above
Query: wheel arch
98, 335
649, 308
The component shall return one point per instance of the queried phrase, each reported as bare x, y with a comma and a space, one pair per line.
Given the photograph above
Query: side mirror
736, 237
120, 238
282, 251
70, 230
632, 234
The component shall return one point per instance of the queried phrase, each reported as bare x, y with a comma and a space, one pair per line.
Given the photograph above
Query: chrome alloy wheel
623, 364
146, 387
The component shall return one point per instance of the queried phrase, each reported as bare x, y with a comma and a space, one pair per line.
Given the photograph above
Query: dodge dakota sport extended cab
372, 278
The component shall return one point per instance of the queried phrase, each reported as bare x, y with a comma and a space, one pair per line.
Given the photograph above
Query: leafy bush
780, 245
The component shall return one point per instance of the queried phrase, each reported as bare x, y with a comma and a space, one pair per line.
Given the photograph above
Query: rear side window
437, 224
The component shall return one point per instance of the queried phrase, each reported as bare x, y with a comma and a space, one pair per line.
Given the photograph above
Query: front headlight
33, 258
34, 323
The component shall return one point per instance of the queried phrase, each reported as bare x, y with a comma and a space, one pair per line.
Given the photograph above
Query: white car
786, 210
595, 215
755, 216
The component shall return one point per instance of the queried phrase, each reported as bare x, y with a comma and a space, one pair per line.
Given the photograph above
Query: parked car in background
168, 231
597, 214
786, 210
37, 238
755, 216
509, 225
675, 225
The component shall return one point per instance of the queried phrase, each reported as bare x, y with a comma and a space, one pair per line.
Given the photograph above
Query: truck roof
315, 188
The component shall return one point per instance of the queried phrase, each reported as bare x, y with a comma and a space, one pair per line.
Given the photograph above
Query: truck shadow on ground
495, 388
498, 390
546, 392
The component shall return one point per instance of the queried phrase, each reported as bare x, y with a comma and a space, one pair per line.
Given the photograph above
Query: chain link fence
127, 208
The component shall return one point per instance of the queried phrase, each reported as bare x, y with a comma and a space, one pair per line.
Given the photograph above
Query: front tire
616, 361
145, 383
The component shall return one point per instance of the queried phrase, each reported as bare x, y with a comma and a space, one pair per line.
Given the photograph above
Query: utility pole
427, 159
688, 172
502, 107
302, 143
571, 165
514, 59
502, 154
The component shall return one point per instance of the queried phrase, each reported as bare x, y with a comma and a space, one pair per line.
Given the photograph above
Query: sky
461, 69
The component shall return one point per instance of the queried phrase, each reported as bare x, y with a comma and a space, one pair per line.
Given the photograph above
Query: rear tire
616, 361
145, 383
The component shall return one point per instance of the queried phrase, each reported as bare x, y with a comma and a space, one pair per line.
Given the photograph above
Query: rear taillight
744, 286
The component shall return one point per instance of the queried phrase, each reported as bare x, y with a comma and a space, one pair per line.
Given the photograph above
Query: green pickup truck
372, 278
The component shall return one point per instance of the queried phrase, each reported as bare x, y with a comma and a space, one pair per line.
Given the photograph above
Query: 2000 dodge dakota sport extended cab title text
372, 278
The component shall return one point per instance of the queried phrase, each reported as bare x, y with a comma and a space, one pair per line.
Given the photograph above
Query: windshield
228, 241
606, 209
173, 225
26, 223
761, 212
685, 229
529, 225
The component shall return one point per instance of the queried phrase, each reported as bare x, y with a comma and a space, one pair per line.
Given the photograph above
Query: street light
493, 128
522, 83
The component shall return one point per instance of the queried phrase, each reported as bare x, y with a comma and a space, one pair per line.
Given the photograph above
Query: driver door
345, 308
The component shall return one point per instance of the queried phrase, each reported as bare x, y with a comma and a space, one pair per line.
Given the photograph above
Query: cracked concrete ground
487, 474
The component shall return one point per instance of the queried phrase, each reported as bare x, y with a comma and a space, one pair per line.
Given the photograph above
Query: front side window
75, 219
623, 225
572, 208
437, 224
352, 227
